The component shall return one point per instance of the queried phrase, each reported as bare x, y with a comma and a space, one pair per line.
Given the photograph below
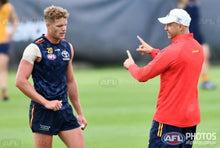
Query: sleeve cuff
154, 52
131, 67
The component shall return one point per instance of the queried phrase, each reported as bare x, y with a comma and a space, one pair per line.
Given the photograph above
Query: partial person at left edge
7, 14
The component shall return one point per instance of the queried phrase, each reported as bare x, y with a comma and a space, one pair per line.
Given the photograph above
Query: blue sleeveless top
49, 75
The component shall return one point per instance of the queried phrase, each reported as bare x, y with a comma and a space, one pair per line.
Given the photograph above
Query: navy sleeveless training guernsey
49, 75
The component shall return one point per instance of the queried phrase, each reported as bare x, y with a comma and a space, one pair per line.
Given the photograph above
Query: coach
179, 66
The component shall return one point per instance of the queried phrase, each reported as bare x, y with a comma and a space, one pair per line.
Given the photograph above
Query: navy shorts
51, 122
167, 136
4, 48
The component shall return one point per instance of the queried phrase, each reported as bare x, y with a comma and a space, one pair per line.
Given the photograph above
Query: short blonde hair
55, 12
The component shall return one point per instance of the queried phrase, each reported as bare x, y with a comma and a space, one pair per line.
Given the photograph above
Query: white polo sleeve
31, 52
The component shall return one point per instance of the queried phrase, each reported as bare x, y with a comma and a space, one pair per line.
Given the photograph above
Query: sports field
118, 109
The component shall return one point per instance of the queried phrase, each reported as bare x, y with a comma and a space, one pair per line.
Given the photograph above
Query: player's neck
52, 39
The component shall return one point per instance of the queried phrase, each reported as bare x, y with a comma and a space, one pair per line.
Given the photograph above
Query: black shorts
4, 47
51, 122
168, 136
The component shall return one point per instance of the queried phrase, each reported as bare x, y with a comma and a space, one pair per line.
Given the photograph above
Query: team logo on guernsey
57, 49
50, 50
65, 55
51, 56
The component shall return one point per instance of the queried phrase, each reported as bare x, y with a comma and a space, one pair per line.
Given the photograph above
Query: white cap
179, 16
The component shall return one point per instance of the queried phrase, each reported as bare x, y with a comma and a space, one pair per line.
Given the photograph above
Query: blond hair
55, 12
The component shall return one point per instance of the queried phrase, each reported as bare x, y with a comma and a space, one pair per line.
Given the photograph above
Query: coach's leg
42, 140
156, 133
189, 133
155, 140
72, 138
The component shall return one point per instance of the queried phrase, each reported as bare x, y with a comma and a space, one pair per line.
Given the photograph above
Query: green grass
118, 109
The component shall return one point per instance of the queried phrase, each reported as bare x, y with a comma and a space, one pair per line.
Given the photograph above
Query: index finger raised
140, 39
129, 54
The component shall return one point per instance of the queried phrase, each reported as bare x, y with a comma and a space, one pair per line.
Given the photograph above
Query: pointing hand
129, 61
144, 47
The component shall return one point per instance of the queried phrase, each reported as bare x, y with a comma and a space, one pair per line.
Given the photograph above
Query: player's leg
72, 138
70, 132
3, 74
206, 84
41, 123
42, 140
205, 66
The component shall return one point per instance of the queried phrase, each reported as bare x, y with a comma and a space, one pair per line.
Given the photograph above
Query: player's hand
82, 121
129, 61
54, 105
144, 48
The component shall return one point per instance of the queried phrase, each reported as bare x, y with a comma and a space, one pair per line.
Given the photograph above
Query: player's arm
24, 71
14, 19
73, 92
